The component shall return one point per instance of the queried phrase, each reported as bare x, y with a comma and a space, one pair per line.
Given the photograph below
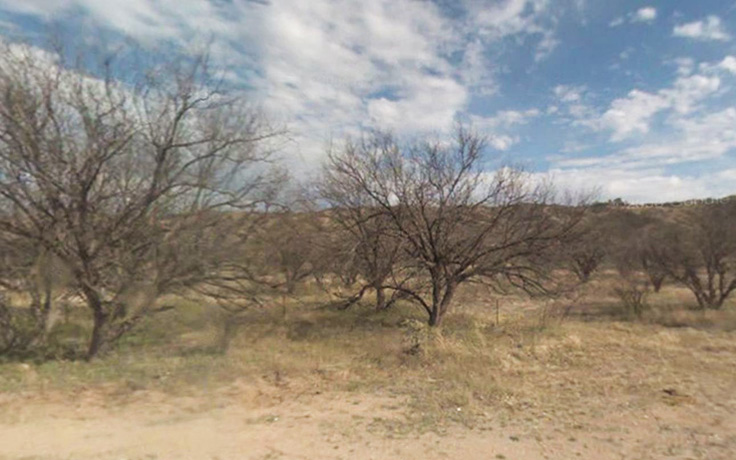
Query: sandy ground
590, 391
248, 422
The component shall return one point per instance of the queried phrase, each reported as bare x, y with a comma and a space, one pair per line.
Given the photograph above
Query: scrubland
520, 379
170, 289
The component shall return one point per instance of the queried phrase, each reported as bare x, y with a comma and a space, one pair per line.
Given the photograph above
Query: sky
634, 98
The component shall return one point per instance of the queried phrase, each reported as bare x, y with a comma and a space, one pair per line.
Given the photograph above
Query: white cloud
568, 93
572, 147
546, 46
502, 142
729, 64
632, 115
639, 173
616, 22
430, 103
690, 131
507, 118
710, 28
476, 69
694, 139
332, 69
645, 186
165, 19
499, 127
328, 67
688, 91
646, 14
492, 21
574, 106
507, 17
685, 66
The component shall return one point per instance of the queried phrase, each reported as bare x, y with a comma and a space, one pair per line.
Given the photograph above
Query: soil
247, 421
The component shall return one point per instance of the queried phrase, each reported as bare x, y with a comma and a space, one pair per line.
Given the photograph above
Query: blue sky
637, 98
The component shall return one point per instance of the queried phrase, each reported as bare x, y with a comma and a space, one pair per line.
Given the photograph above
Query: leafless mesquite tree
700, 253
587, 254
656, 275
366, 248
647, 260
454, 222
630, 234
290, 244
634, 285
133, 185
26, 271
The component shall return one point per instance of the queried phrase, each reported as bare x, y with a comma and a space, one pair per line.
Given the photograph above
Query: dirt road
248, 422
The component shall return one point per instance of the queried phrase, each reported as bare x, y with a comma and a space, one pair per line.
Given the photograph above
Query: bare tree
634, 286
133, 185
587, 254
630, 233
656, 274
455, 222
700, 253
290, 243
367, 248
24, 272
633, 294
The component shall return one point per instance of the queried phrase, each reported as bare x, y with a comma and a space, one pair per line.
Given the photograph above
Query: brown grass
576, 370
534, 359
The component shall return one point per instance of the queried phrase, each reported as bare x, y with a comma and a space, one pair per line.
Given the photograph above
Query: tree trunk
440, 306
657, 282
290, 284
97, 340
354, 299
380, 298
447, 298
435, 316
229, 328
100, 318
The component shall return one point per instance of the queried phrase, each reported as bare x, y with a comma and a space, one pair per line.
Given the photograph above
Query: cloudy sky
637, 98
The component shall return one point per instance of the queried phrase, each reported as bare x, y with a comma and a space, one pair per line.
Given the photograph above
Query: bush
19, 330
633, 296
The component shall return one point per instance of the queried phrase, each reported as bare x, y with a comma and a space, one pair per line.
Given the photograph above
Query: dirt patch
243, 422
488, 386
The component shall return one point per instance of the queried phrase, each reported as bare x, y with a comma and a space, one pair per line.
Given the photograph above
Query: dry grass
529, 361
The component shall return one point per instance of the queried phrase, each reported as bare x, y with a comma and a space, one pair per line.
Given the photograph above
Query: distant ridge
620, 203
